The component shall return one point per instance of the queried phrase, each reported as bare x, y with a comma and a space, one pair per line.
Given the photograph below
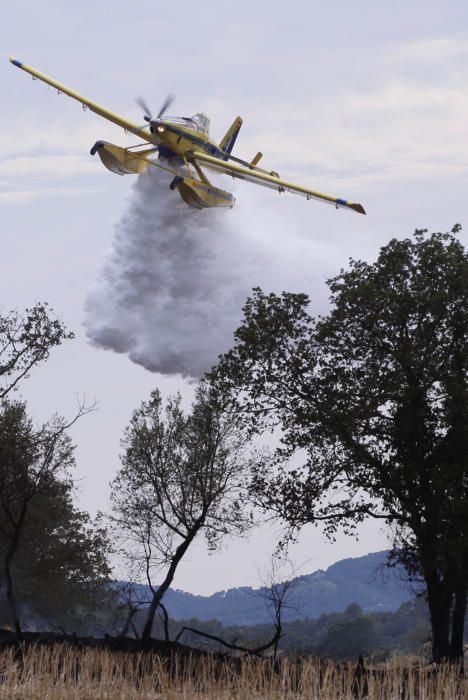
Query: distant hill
363, 580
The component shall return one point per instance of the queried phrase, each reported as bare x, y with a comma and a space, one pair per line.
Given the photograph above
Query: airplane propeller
146, 110
147, 116
169, 100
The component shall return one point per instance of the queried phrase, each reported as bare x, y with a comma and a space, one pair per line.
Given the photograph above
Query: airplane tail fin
229, 139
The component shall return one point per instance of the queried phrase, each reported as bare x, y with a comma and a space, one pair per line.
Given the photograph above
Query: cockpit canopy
199, 122
202, 122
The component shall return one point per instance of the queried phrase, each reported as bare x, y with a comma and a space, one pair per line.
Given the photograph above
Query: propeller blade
146, 110
169, 100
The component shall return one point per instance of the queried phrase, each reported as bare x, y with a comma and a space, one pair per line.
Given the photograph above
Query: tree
25, 341
181, 476
275, 593
352, 636
61, 569
52, 556
376, 396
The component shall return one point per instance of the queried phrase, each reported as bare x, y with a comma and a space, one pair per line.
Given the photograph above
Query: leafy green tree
182, 476
349, 638
375, 395
53, 558
25, 341
62, 566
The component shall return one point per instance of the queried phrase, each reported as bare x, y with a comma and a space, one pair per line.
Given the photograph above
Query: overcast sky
363, 100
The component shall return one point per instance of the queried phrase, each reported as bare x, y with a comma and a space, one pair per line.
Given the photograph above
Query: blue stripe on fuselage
208, 148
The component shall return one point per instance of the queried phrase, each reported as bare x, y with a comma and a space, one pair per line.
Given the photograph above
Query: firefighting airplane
183, 146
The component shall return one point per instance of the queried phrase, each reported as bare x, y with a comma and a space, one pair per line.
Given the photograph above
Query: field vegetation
63, 672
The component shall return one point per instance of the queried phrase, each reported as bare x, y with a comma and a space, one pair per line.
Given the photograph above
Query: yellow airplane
183, 145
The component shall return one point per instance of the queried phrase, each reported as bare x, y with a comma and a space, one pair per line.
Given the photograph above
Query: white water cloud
171, 293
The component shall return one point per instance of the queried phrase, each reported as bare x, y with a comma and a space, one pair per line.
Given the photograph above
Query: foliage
348, 639
339, 635
54, 558
62, 567
25, 341
376, 396
181, 477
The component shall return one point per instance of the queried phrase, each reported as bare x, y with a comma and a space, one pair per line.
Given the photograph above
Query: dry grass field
63, 673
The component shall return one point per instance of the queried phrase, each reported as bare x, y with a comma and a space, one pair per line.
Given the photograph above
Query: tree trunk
9, 590
458, 623
159, 593
131, 614
439, 598
165, 619
7, 568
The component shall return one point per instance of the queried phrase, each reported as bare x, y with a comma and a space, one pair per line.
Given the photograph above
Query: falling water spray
171, 292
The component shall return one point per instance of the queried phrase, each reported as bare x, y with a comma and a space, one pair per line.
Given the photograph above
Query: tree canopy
54, 559
181, 477
25, 341
375, 395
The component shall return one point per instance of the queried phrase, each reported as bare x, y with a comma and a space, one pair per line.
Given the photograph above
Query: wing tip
350, 205
16, 62
357, 207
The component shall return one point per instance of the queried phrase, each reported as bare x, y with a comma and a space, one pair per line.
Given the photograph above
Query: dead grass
63, 673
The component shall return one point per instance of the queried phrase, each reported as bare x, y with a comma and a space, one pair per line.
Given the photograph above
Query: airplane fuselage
175, 140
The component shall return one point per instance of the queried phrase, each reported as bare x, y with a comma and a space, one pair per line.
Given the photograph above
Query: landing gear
176, 181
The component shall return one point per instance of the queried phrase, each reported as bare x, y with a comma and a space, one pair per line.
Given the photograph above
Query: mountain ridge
363, 580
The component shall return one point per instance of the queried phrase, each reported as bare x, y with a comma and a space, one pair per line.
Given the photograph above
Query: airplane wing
93, 106
260, 177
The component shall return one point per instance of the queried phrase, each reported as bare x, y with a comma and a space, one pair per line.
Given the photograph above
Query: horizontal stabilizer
256, 158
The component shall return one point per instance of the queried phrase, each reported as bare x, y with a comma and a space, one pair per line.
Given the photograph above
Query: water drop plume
171, 291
